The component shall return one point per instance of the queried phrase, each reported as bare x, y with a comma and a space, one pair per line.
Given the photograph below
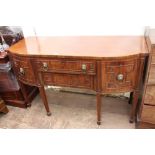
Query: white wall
84, 30
83, 17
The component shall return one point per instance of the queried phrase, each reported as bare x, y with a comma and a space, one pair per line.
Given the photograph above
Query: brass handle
120, 77
91, 66
45, 66
21, 70
84, 67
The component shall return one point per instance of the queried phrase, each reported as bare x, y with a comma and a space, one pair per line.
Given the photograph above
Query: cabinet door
24, 70
119, 75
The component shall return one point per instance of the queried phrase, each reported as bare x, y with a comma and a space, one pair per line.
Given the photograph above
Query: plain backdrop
78, 17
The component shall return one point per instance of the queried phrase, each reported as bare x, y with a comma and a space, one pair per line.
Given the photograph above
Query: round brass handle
21, 70
120, 77
84, 67
45, 66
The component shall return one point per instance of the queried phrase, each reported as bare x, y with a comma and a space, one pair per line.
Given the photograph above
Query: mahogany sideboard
105, 64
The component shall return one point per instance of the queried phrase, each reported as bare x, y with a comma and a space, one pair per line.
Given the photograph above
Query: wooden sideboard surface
105, 64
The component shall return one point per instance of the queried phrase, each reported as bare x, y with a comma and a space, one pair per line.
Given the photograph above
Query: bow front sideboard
104, 64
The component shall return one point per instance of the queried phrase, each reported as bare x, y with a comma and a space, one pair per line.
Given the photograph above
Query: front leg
98, 104
44, 98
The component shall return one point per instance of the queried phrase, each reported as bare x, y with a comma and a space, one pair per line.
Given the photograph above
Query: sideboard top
91, 46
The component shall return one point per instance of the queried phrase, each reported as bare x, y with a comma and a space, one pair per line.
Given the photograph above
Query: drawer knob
84, 67
120, 77
45, 66
21, 70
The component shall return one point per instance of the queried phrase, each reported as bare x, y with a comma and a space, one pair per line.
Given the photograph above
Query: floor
69, 110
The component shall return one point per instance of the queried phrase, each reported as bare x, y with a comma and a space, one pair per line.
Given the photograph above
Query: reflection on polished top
91, 46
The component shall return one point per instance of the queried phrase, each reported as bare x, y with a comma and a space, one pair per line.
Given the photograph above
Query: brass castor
49, 114
98, 122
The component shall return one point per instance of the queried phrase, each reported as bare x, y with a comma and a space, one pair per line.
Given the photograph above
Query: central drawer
66, 72
66, 66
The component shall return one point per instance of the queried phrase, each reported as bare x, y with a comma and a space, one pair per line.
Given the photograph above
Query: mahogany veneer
105, 64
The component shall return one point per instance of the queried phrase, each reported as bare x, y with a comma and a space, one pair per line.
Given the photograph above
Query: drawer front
153, 59
151, 78
69, 80
148, 114
69, 66
150, 95
118, 76
24, 70
153, 56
